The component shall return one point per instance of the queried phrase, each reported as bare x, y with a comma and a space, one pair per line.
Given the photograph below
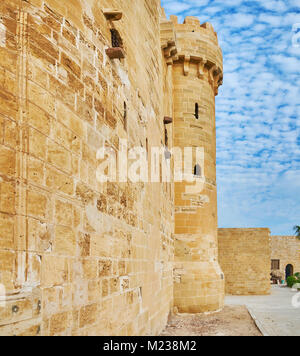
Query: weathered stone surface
286, 249
98, 258
198, 285
245, 258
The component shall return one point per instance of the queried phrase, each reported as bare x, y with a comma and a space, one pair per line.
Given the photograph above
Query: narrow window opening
116, 40
166, 137
116, 51
197, 111
197, 170
125, 116
275, 264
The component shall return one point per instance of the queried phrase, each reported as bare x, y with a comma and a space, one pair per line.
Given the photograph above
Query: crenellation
191, 20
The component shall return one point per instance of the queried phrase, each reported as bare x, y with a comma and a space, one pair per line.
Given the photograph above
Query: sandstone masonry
285, 250
199, 281
245, 258
79, 257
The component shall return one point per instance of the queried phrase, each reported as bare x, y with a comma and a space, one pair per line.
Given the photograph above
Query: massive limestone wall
286, 249
244, 256
79, 257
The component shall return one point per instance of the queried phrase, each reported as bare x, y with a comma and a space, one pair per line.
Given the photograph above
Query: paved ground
274, 314
233, 320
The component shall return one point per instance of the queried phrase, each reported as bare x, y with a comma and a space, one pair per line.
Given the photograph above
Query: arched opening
197, 111
197, 170
289, 271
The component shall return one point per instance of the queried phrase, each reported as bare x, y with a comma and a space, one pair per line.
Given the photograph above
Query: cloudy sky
258, 109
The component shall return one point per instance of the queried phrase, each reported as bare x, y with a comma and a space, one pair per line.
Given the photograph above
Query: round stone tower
197, 74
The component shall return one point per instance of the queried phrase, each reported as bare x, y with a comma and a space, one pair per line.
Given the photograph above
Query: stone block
65, 241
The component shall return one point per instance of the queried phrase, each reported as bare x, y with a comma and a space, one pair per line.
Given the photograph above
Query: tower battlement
192, 23
193, 43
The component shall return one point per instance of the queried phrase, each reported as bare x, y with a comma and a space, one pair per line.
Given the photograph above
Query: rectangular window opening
275, 264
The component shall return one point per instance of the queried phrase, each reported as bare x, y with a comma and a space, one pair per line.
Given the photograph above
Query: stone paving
274, 314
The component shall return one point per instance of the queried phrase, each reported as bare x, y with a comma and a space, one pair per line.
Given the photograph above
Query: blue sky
258, 109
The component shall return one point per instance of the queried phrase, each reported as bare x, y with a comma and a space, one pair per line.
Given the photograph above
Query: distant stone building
285, 255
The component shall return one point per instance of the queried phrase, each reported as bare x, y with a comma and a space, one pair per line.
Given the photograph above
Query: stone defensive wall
245, 258
79, 256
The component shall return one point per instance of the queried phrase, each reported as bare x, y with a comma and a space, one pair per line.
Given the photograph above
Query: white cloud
240, 20
272, 20
274, 5
287, 64
294, 3
176, 6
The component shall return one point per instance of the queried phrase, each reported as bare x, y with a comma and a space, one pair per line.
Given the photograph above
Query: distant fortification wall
245, 257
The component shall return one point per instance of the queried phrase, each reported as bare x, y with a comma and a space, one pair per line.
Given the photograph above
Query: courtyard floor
274, 314
231, 321
271, 315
